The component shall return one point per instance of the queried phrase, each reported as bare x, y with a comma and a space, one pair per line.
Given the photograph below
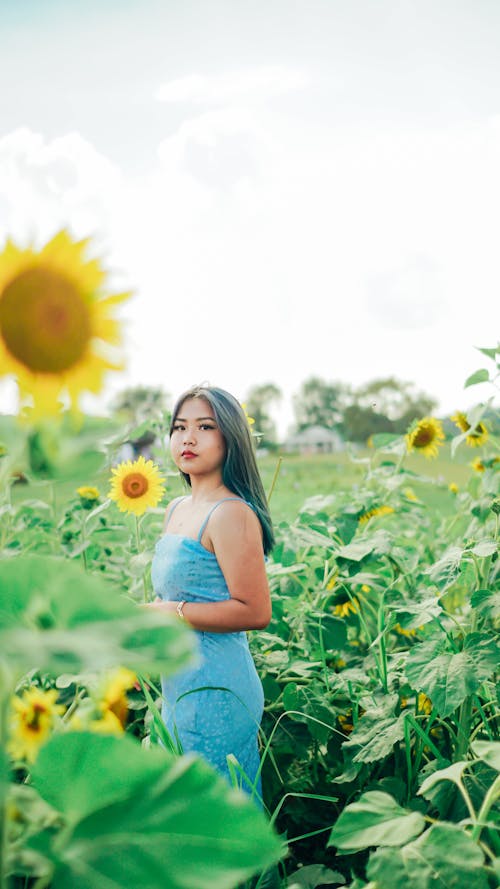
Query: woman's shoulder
171, 506
232, 509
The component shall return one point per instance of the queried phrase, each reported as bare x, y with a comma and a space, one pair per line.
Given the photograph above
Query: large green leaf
451, 773
376, 733
377, 542
135, 817
57, 618
375, 819
489, 752
446, 570
487, 602
444, 857
447, 677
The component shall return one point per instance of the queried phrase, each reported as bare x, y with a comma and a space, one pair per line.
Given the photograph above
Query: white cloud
254, 84
408, 296
253, 245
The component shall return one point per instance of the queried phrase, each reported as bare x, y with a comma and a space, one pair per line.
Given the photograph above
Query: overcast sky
291, 188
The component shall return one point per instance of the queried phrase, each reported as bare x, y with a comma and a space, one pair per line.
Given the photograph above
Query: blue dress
211, 721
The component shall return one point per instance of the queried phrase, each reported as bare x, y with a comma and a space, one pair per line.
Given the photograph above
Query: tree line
355, 413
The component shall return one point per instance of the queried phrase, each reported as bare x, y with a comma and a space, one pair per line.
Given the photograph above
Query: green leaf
378, 543
135, 817
313, 875
375, 819
452, 773
447, 678
479, 376
445, 571
57, 618
487, 602
488, 751
416, 614
386, 441
376, 733
327, 631
490, 353
444, 857
485, 548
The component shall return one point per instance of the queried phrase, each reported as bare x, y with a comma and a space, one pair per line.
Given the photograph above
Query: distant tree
358, 423
395, 399
384, 405
259, 401
318, 403
139, 403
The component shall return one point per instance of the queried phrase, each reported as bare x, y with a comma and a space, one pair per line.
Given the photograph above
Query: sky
291, 188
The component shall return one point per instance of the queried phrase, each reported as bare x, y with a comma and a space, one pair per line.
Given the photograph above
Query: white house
314, 440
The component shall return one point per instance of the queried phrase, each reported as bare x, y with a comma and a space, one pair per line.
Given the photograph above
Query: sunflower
34, 715
250, 420
453, 487
403, 632
409, 494
136, 486
345, 604
114, 699
426, 436
478, 465
57, 334
89, 496
475, 436
376, 511
424, 704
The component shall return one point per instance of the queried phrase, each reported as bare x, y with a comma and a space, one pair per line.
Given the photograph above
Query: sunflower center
478, 431
134, 485
424, 436
35, 717
44, 322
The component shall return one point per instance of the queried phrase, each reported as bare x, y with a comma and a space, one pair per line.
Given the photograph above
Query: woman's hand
161, 605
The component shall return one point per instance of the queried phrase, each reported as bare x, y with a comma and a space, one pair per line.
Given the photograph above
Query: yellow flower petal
136, 486
57, 334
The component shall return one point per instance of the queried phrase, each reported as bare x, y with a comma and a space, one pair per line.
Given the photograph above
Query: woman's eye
206, 426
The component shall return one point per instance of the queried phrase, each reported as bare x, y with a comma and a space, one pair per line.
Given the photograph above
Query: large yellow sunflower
34, 714
426, 436
136, 486
57, 333
475, 437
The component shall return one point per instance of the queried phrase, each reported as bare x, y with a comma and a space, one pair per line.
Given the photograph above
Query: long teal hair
240, 472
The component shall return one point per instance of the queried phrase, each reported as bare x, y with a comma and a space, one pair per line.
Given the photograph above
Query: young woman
209, 568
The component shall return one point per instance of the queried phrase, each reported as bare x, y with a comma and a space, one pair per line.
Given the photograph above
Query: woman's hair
240, 472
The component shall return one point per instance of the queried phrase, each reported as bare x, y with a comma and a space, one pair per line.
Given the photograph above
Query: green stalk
138, 544
275, 478
407, 736
4, 711
382, 645
489, 800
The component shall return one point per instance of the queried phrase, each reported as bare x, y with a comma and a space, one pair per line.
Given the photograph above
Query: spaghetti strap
205, 520
172, 508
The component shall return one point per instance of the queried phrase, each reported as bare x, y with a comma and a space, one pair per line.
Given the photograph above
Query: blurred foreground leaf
135, 817
55, 617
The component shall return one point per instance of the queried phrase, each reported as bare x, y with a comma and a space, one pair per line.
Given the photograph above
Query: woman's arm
236, 537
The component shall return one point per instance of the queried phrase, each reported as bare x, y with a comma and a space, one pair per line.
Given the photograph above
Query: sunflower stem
4, 710
275, 478
139, 550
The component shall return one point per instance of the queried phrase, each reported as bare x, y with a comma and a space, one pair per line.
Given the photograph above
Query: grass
80, 462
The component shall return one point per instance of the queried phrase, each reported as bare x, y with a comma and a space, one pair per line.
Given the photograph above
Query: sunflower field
380, 742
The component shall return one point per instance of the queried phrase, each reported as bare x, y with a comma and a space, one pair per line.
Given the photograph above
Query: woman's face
196, 442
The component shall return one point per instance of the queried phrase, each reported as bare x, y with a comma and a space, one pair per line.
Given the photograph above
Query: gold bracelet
180, 606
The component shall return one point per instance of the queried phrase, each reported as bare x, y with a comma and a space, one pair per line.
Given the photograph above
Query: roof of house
314, 435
